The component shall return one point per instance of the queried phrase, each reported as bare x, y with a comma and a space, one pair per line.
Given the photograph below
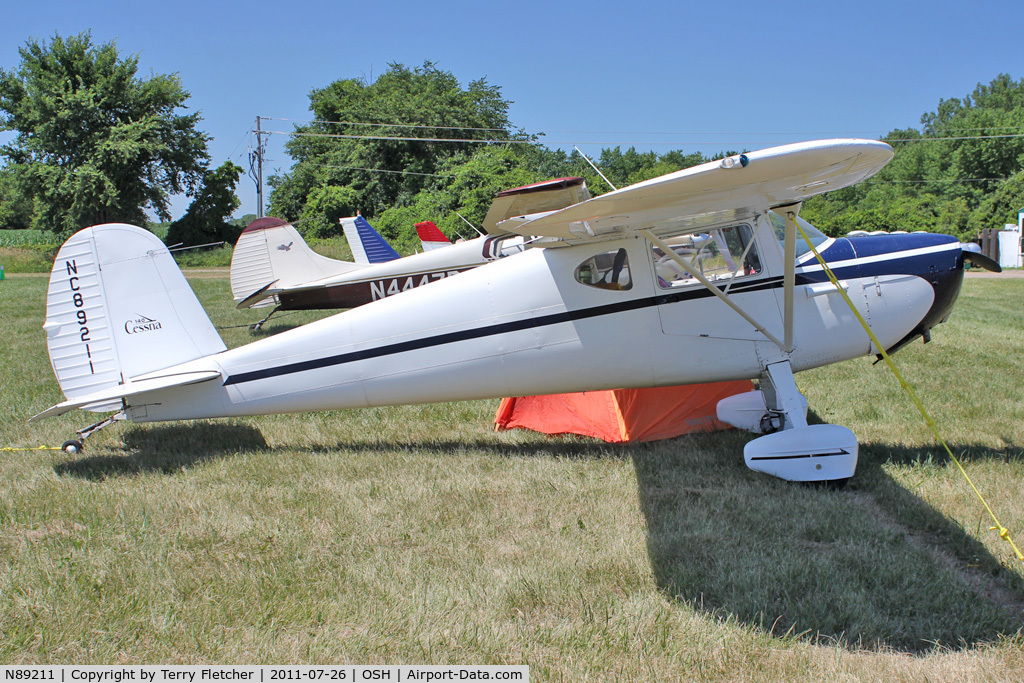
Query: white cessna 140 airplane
696, 276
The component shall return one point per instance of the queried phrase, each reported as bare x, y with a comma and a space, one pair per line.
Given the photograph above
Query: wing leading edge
731, 187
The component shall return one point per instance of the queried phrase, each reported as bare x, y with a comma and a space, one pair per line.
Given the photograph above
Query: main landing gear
790, 448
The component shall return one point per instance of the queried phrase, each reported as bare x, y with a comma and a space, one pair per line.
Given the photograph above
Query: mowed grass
419, 535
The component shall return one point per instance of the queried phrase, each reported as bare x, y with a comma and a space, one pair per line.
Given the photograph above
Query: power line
586, 132
378, 170
386, 125
675, 143
965, 137
346, 136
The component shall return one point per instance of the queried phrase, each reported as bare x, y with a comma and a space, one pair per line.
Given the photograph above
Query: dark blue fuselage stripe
440, 340
851, 271
491, 330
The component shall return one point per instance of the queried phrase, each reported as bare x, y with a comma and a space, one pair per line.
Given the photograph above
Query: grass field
419, 535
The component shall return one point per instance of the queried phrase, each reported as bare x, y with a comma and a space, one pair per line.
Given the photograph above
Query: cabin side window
609, 270
721, 254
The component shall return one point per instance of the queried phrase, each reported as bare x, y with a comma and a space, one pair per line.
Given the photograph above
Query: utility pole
256, 167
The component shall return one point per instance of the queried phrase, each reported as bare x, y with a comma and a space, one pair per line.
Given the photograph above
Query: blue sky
657, 75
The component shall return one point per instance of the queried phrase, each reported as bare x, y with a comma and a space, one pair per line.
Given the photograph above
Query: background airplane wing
549, 195
728, 188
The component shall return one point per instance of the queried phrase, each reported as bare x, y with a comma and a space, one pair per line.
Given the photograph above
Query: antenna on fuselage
593, 166
468, 223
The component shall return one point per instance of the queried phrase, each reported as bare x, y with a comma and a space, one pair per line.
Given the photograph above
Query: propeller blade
982, 261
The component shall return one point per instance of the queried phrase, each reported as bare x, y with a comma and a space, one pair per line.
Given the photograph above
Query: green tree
463, 186
1000, 207
94, 142
375, 145
207, 217
16, 208
959, 173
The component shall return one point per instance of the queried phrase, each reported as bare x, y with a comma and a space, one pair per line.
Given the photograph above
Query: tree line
95, 143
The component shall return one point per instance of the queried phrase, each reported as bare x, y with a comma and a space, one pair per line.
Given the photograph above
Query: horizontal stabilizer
257, 296
132, 388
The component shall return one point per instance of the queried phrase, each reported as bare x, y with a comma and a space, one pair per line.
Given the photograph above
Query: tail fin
118, 307
367, 244
271, 255
431, 236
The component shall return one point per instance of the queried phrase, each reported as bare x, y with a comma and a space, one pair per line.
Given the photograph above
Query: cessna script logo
142, 324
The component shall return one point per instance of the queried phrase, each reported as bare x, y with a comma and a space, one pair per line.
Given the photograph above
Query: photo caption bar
149, 673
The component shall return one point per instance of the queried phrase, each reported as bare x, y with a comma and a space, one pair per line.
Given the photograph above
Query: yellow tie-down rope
1004, 533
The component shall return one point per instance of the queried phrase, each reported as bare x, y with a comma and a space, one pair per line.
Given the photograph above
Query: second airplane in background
273, 266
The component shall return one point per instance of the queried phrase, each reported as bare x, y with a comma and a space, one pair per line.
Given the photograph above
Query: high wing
731, 188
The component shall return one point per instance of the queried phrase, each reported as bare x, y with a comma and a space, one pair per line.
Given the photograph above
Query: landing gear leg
256, 327
795, 451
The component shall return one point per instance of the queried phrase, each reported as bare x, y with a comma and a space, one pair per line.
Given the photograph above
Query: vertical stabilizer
118, 307
431, 236
367, 244
271, 255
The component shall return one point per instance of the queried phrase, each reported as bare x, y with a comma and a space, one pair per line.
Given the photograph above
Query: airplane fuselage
540, 322
381, 280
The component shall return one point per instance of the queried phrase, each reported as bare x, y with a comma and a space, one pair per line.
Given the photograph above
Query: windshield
722, 254
816, 236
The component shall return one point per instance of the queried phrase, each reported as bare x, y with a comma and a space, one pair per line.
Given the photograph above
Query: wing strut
711, 287
789, 281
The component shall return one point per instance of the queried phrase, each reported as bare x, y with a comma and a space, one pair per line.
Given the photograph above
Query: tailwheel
76, 446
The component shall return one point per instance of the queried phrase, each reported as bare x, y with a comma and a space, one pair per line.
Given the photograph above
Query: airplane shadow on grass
869, 566
166, 448
170, 447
